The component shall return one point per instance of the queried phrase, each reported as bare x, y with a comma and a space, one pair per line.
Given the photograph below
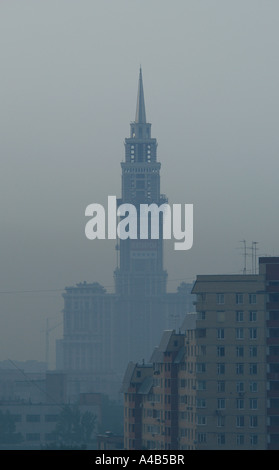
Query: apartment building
152, 397
230, 389
222, 372
237, 369
269, 269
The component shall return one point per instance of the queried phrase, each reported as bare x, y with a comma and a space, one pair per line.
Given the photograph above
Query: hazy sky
69, 73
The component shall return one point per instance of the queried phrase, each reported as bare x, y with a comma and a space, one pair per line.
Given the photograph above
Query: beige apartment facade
230, 339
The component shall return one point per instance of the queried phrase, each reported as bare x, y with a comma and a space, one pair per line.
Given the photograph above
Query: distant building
109, 441
34, 402
223, 371
87, 344
103, 331
151, 395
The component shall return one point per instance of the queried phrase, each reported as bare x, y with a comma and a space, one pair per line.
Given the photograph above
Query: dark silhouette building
102, 332
141, 272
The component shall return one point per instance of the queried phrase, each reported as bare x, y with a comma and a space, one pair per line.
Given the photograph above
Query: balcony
273, 429
272, 306
273, 393
272, 289
273, 412
272, 323
272, 341
272, 376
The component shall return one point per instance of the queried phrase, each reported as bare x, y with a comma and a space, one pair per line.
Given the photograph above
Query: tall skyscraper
141, 269
145, 308
102, 331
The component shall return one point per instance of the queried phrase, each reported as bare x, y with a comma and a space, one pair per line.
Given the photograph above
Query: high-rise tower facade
141, 269
144, 308
103, 331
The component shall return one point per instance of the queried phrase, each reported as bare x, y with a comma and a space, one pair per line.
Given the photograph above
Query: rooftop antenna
254, 257
254, 252
244, 255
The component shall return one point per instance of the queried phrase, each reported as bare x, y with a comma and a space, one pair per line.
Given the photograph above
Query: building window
240, 421
51, 418
253, 333
253, 403
201, 315
221, 439
253, 386
239, 333
202, 438
239, 317
253, 421
220, 333
201, 403
253, 351
201, 420
220, 298
240, 387
201, 297
253, 316
220, 421
220, 351
221, 403
239, 298
201, 332
240, 403
182, 383
201, 367
239, 439
201, 385
239, 351
203, 350
253, 368
239, 368
183, 399
253, 439
33, 418
221, 368
252, 298
221, 386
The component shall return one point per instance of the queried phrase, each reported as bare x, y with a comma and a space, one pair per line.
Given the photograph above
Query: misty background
68, 88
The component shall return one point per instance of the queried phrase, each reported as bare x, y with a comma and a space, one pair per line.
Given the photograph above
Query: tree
87, 425
74, 427
8, 428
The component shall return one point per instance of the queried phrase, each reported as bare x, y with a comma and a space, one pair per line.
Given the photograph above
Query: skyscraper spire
140, 112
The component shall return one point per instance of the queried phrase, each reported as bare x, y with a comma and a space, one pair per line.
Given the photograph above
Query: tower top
140, 112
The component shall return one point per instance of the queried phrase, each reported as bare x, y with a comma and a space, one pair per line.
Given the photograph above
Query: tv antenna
244, 256
254, 257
